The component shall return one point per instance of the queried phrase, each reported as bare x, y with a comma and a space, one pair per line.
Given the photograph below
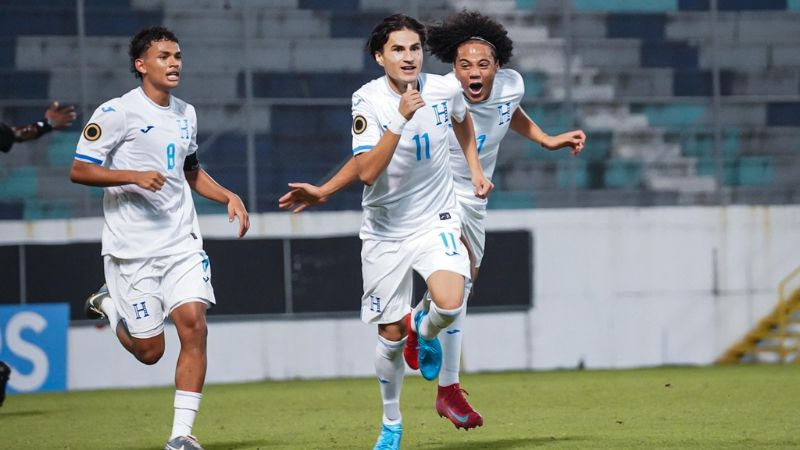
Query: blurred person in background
142, 148
55, 118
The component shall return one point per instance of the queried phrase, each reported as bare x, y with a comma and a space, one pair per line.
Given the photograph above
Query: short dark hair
380, 34
142, 40
445, 38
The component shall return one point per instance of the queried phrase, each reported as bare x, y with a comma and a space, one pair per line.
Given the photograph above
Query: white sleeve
193, 143
106, 129
459, 106
366, 127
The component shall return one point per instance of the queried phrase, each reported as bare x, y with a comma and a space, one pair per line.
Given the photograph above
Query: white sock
389, 368
108, 308
186, 406
451, 350
423, 304
437, 320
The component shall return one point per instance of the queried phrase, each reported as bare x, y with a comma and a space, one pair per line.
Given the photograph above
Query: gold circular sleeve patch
92, 132
359, 124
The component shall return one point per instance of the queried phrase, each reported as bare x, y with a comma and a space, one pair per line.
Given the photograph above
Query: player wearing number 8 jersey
142, 148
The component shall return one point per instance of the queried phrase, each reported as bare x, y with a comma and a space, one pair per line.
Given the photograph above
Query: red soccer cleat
411, 349
451, 403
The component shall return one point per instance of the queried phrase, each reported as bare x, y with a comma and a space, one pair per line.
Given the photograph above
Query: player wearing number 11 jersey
142, 148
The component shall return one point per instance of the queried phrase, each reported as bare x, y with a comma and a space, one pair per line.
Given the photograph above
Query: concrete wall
613, 288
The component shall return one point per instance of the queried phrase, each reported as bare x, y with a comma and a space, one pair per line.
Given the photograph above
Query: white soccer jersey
491, 119
134, 133
415, 191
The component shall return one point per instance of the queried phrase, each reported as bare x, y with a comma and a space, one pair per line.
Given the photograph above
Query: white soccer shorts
387, 268
146, 290
473, 229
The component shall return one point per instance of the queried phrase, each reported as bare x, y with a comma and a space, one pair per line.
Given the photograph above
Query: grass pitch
665, 408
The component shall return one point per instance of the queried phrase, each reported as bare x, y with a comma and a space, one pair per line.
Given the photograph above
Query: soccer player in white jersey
410, 221
478, 47
142, 148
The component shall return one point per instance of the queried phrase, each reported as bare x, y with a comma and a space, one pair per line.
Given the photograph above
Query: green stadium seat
511, 200
626, 5
755, 171
21, 183
673, 115
61, 150
572, 173
36, 209
623, 173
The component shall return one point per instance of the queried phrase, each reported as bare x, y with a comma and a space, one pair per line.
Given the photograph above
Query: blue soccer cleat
390, 437
430, 352
187, 442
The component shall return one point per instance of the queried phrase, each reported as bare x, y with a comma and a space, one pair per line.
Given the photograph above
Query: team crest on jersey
92, 132
359, 124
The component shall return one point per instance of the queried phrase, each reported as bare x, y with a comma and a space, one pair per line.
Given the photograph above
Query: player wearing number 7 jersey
142, 148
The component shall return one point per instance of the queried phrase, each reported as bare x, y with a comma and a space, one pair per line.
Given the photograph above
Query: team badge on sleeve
359, 124
92, 132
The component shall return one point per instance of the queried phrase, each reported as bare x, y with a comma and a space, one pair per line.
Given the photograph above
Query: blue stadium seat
639, 26
8, 50
11, 210
103, 22
337, 5
23, 85
301, 120
679, 55
356, 24
18, 20
785, 114
293, 85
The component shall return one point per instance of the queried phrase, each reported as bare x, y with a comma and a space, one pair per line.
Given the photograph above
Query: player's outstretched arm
465, 134
97, 175
60, 117
202, 183
526, 127
304, 195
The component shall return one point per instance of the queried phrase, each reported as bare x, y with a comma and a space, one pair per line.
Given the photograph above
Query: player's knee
150, 355
392, 331
195, 330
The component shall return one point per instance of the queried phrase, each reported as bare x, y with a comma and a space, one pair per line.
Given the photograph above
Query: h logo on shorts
374, 303
140, 309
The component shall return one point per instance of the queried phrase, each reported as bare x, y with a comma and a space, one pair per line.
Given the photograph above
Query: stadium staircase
776, 338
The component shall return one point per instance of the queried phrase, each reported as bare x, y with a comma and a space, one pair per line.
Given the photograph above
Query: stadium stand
638, 77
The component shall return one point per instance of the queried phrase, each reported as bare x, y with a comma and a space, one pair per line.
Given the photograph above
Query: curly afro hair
445, 38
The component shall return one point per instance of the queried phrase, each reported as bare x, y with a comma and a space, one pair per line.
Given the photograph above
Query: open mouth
408, 68
173, 75
475, 88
